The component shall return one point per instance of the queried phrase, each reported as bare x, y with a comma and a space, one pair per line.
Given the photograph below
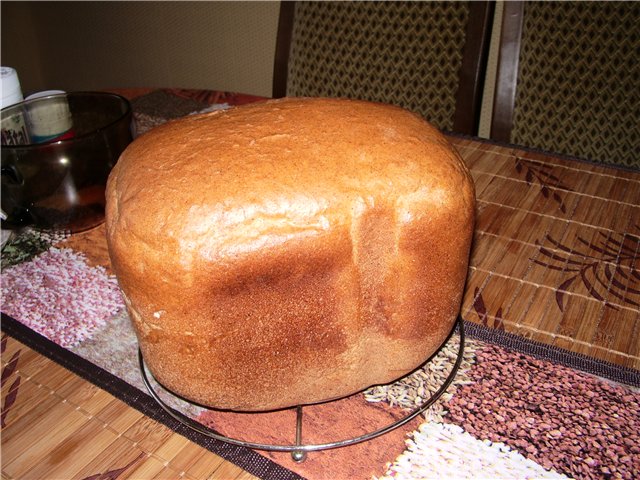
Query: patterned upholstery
578, 89
406, 53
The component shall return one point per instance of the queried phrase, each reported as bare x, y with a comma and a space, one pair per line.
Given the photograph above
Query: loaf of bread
291, 251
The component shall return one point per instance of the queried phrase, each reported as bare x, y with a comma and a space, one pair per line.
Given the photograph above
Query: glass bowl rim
67, 141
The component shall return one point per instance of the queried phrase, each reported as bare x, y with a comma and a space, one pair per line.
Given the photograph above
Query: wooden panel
507, 74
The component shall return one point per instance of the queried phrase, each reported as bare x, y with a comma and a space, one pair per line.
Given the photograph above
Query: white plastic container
11, 91
14, 128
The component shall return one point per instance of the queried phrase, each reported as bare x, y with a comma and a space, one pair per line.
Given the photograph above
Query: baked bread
289, 252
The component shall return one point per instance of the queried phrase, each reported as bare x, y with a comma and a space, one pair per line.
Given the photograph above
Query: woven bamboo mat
56, 425
556, 254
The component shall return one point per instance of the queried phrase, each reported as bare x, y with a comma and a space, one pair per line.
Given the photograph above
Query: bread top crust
223, 184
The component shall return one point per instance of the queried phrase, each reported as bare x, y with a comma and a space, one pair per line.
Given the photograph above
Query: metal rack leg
299, 456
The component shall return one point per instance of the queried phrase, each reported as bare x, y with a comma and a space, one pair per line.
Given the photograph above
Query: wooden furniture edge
473, 69
507, 73
283, 46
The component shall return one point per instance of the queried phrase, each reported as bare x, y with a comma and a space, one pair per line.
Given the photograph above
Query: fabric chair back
429, 57
569, 79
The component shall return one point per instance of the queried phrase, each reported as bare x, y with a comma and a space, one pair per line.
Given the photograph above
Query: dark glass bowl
60, 182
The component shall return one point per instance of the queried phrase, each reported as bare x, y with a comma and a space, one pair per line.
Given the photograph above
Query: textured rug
517, 409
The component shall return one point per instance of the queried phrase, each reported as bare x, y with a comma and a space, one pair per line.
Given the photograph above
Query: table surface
555, 259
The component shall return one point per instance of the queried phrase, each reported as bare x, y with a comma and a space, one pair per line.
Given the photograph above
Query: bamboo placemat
65, 427
556, 254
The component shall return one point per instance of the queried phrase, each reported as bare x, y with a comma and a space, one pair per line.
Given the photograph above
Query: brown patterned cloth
157, 107
161, 103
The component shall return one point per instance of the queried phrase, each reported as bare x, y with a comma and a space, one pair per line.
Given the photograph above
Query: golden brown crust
291, 251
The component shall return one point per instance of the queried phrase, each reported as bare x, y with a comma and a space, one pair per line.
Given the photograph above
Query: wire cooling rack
300, 449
